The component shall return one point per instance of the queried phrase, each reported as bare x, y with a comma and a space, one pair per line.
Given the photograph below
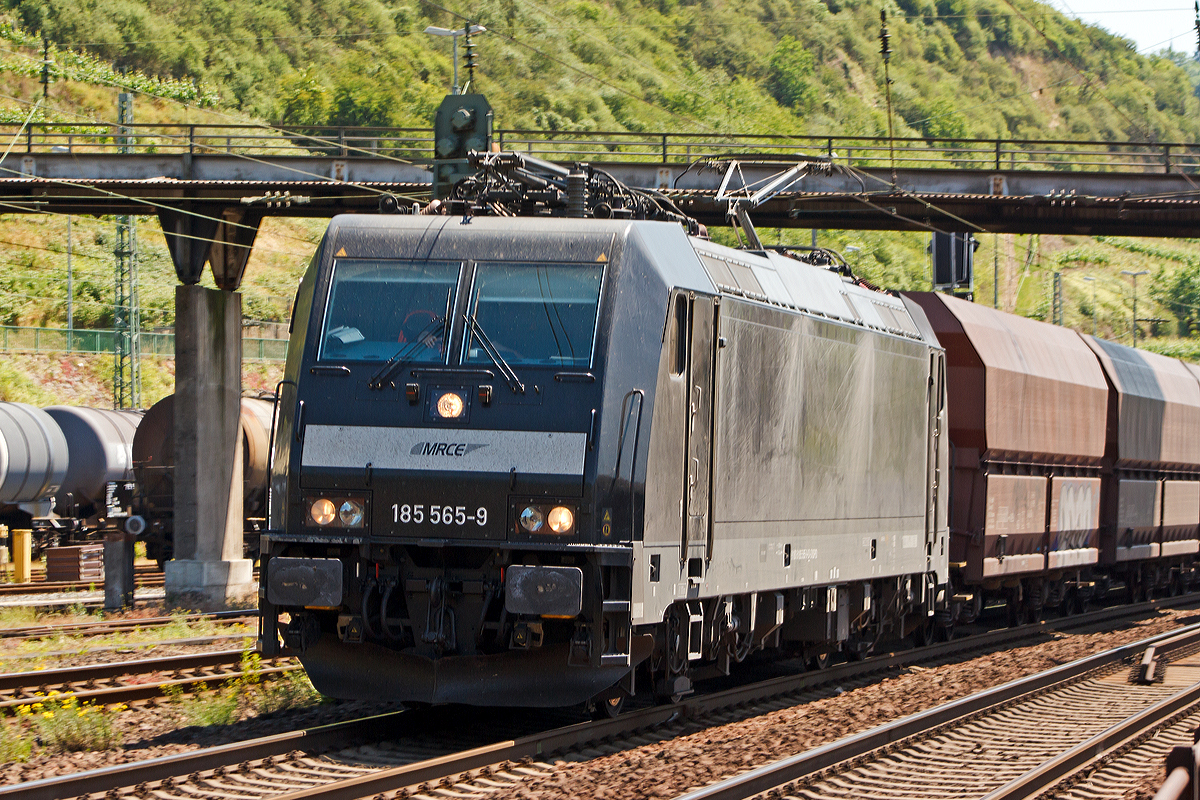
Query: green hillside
988, 68
992, 68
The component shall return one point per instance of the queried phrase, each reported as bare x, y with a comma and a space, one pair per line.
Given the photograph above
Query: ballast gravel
673, 767
153, 731
665, 769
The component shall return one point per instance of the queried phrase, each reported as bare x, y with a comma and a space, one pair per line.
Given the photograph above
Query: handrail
684, 147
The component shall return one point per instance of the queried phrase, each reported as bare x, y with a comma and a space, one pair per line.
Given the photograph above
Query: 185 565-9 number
435, 514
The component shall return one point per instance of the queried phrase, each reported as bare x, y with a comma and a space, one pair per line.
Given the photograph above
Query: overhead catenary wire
243, 122
297, 170
584, 72
18, 208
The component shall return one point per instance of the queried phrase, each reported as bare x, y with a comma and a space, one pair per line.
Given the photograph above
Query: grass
246, 695
291, 690
66, 725
205, 707
59, 725
34, 654
16, 743
19, 617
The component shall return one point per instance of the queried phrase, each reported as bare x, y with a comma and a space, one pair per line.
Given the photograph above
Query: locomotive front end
438, 532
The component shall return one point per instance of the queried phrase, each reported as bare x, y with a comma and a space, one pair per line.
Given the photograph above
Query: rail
416, 144
783, 777
18, 339
1183, 769
268, 759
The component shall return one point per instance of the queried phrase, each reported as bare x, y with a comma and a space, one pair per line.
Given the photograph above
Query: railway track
1009, 742
407, 749
147, 581
129, 681
112, 626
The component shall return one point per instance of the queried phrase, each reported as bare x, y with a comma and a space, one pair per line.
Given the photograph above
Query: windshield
536, 313
377, 308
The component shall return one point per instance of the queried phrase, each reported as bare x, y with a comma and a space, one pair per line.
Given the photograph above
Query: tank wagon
33, 461
99, 442
545, 461
148, 502
1076, 464
57, 466
69, 472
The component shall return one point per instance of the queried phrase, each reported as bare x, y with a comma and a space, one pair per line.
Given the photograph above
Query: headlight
560, 519
337, 511
351, 513
323, 511
450, 406
531, 519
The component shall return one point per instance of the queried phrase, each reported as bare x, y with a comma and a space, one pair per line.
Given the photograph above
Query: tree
1179, 293
791, 77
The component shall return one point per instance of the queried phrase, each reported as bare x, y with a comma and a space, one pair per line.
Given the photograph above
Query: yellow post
22, 556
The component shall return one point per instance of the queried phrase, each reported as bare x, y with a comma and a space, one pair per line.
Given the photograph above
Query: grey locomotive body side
749, 455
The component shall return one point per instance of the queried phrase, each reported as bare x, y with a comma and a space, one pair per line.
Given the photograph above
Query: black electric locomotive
543, 461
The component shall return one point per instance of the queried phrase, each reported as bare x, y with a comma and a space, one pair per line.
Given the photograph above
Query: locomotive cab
451, 498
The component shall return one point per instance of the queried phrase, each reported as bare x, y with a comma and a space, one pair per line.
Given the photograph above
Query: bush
791, 81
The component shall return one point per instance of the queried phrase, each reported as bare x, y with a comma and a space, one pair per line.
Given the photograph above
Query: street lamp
1092, 281
470, 29
1134, 275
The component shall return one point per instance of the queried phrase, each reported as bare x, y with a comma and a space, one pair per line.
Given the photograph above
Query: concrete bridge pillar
208, 561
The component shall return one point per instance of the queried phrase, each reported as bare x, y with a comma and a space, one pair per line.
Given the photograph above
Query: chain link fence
15, 339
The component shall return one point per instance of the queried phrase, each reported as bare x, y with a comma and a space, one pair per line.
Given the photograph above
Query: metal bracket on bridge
224, 242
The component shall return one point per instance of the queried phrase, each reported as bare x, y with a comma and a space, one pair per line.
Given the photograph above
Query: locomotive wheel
922, 635
819, 661
610, 707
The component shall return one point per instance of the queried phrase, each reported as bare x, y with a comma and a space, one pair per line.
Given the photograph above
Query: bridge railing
402, 143
416, 144
18, 339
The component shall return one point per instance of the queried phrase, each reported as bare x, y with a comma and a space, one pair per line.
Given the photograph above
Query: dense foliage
989, 68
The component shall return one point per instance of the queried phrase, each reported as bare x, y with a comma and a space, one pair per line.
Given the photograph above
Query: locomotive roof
678, 260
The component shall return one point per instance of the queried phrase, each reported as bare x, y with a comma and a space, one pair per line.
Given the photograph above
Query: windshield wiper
404, 355
506, 371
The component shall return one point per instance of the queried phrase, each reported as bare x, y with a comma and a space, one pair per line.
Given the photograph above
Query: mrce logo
452, 449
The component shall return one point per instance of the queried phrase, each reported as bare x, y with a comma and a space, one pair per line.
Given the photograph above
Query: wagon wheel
1069, 604
1083, 602
1016, 609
